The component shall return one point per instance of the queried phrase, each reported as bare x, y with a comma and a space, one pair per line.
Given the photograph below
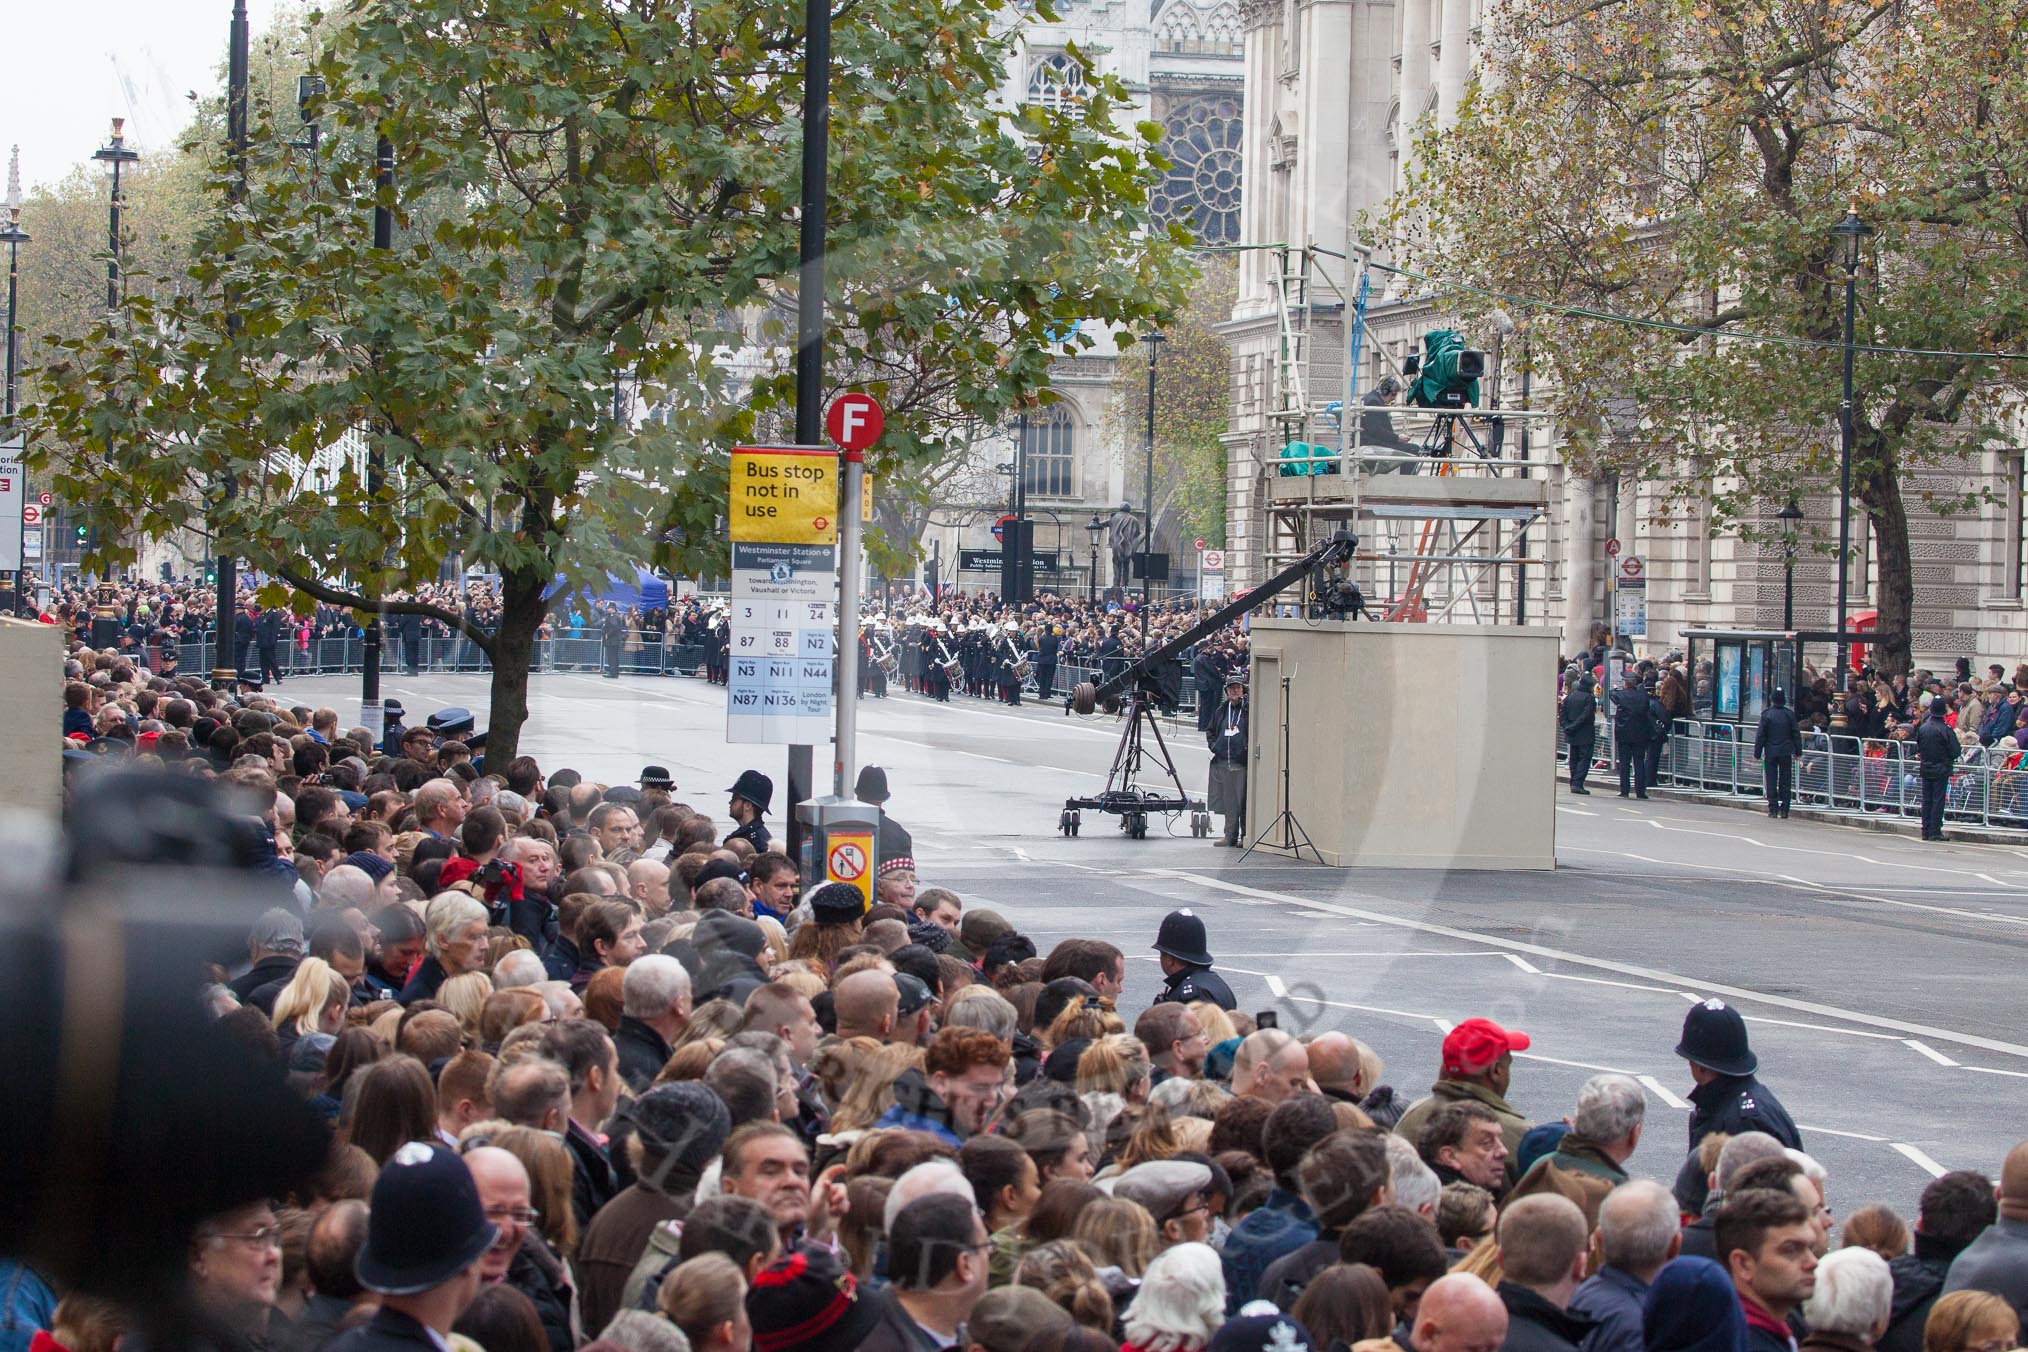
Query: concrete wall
1411, 745
31, 717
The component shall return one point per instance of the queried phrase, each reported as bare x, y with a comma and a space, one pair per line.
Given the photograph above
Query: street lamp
1093, 529
1849, 235
1154, 342
15, 237
115, 153
1791, 517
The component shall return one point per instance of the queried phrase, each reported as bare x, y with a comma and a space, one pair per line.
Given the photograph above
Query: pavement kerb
1881, 822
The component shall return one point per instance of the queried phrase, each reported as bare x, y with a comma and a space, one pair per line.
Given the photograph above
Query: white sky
68, 69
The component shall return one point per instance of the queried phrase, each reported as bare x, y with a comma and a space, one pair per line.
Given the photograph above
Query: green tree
1193, 382
1683, 161
622, 182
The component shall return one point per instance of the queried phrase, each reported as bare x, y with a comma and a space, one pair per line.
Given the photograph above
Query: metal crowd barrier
1857, 777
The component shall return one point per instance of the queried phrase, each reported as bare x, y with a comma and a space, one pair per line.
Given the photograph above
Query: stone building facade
1181, 62
1334, 92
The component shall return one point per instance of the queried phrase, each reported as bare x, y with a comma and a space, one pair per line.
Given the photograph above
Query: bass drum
1022, 668
889, 664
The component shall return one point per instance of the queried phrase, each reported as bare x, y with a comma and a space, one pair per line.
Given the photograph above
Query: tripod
1440, 441
1293, 837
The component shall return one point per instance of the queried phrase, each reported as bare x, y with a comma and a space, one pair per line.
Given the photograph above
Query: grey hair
1184, 1096
1416, 1185
449, 912
985, 1009
1637, 1222
651, 985
640, 1331
346, 885
925, 1180
519, 968
1812, 1170
1609, 1107
1749, 1147
511, 804
1854, 1292
1181, 1302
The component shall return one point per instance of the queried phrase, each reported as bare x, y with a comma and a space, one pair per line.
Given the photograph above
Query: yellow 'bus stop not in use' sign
785, 495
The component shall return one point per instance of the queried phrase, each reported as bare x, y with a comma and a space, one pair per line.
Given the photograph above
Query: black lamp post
225, 659
115, 153
1850, 236
1154, 342
15, 237
1093, 529
1790, 516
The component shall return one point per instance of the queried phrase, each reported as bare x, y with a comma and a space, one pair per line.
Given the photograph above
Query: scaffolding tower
1450, 506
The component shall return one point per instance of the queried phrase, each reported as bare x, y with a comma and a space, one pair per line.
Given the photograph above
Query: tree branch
334, 596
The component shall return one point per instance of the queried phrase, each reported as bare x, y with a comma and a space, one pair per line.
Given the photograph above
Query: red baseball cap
1477, 1043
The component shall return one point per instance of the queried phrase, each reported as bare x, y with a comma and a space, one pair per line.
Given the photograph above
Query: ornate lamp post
1791, 517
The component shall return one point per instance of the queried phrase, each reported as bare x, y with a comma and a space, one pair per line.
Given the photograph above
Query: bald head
493, 1169
1335, 1063
866, 1004
1271, 1066
2014, 1183
1459, 1313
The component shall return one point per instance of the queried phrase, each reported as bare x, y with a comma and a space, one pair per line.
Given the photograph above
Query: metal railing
1858, 777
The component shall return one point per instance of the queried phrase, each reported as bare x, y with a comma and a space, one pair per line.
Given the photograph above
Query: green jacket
1513, 1126
1581, 1156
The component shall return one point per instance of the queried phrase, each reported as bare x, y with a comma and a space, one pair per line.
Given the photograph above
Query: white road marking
1818, 1027
1994, 1070
1274, 984
1579, 1065
1522, 963
1575, 812
1921, 1160
1929, 1051
1848, 1135
1900, 1026
1662, 1091
1601, 981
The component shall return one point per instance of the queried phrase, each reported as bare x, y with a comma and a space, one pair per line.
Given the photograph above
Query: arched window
1224, 32
1177, 29
1057, 82
1201, 189
1050, 453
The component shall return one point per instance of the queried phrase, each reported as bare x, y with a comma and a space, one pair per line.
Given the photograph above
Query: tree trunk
521, 610
1880, 491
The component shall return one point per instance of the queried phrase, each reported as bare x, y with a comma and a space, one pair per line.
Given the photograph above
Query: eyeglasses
520, 1215
267, 1237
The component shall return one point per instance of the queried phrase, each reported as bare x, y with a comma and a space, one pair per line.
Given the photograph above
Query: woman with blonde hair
1119, 1234
465, 995
712, 1019
871, 1092
314, 1001
1081, 1019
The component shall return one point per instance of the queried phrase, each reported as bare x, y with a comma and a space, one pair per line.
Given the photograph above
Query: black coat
1197, 983
1918, 1281
1778, 735
1632, 723
387, 1331
643, 1053
1227, 748
592, 1180
754, 833
268, 629
1534, 1325
1579, 714
1731, 1104
1937, 746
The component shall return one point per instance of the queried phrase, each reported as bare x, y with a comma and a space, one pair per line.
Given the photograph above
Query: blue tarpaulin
644, 591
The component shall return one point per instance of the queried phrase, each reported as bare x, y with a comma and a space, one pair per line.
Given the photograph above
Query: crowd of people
600, 1071
930, 644
1915, 733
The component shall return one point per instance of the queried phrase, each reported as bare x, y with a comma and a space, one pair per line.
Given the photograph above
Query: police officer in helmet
1727, 1098
1186, 965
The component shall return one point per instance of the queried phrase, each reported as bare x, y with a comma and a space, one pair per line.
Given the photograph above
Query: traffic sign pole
854, 422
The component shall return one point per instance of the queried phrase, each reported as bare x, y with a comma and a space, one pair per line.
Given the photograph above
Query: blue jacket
27, 1305
1613, 1297
1279, 1226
